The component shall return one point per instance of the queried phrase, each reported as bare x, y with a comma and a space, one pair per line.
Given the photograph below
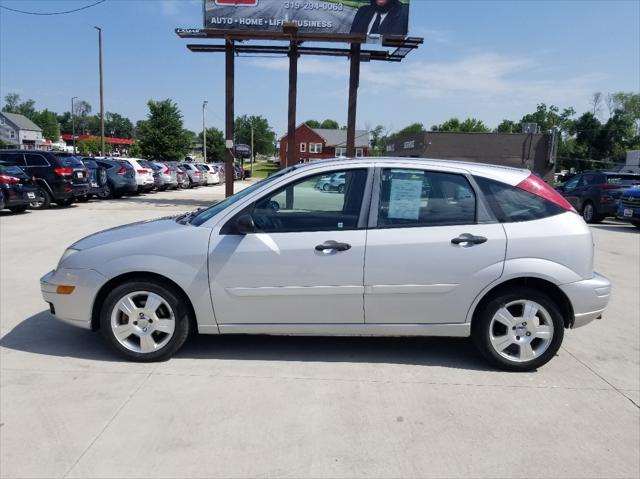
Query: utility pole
253, 156
101, 91
204, 132
73, 125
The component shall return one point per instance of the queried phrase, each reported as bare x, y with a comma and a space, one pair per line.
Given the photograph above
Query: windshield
202, 168
205, 215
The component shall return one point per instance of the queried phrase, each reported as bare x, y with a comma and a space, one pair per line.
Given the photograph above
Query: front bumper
589, 298
75, 308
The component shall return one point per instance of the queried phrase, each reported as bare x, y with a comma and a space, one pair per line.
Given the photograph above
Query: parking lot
303, 407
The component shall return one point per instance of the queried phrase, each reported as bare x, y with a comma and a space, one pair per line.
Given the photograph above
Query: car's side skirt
451, 330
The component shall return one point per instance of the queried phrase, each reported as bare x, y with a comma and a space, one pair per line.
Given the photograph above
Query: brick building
319, 144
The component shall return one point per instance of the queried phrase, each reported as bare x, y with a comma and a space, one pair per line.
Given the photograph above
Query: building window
341, 151
12, 134
315, 147
1, 120
303, 147
359, 152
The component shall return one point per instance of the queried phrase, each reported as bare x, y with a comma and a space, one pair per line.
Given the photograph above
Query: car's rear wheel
635, 223
144, 321
519, 330
83, 198
66, 202
42, 201
106, 192
18, 209
589, 213
326, 187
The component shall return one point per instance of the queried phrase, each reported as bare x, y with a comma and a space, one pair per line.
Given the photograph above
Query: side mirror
245, 225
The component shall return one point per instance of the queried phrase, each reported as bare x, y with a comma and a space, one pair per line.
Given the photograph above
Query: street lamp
204, 131
101, 91
73, 125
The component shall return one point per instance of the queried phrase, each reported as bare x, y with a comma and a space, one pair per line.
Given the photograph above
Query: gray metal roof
21, 121
339, 137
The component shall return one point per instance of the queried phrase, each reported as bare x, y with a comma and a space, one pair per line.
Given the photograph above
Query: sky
489, 60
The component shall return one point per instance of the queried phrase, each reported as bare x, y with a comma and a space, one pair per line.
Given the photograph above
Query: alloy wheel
521, 331
143, 322
587, 212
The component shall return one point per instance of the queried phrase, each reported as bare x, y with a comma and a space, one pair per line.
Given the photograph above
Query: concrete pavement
303, 407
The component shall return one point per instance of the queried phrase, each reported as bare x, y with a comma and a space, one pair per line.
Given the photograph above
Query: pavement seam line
111, 419
602, 378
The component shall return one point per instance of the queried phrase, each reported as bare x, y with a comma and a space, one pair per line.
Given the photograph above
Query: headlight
68, 252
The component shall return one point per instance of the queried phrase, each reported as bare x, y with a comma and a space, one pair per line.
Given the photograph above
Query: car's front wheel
144, 321
520, 330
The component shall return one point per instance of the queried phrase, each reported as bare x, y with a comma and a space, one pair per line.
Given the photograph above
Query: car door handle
333, 245
469, 238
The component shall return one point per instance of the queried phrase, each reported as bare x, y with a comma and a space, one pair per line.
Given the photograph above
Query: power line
52, 13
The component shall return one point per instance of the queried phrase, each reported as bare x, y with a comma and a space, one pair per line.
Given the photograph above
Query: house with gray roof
20, 132
320, 143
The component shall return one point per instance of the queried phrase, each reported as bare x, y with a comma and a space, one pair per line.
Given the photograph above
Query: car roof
506, 174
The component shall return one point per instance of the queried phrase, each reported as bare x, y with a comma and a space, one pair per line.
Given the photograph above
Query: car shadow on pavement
169, 201
42, 334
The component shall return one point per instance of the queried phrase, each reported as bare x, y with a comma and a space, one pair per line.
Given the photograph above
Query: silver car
196, 177
168, 174
410, 248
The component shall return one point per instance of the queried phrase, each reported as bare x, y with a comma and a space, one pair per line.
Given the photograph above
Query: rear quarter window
511, 204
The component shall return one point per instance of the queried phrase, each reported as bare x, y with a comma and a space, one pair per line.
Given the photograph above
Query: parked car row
36, 179
599, 194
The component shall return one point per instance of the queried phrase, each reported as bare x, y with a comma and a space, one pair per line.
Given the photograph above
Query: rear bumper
589, 298
74, 308
81, 190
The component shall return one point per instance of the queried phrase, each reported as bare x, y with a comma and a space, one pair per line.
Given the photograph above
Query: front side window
425, 198
322, 202
572, 183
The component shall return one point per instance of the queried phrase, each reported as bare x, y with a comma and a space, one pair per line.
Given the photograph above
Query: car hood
125, 232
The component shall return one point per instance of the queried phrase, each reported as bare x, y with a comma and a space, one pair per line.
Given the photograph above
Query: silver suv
409, 247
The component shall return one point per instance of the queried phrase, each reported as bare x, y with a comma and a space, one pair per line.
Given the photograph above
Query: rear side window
13, 158
424, 198
36, 160
511, 204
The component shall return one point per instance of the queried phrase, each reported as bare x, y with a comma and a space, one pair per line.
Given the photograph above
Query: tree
14, 105
48, 121
312, 123
470, 125
162, 134
263, 136
596, 103
330, 125
89, 146
507, 126
117, 125
378, 136
215, 144
412, 129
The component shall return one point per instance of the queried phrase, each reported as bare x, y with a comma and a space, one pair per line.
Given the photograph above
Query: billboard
331, 17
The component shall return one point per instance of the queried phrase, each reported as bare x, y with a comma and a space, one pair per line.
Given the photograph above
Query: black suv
595, 194
16, 188
60, 177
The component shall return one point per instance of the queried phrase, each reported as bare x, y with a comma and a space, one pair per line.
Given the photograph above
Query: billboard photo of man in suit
382, 17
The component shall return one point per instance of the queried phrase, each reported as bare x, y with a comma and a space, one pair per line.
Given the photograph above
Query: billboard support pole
354, 82
229, 169
293, 93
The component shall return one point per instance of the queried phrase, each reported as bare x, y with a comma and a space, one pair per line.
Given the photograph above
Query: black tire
18, 209
636, 223
82, 199
177, 304
106, 192
64, 203
43, 201
480, 329
101, 176
326, 187
340, 188
589, 213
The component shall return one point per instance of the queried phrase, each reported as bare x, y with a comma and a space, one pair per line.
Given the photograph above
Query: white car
214, 175
410, 247
144, 176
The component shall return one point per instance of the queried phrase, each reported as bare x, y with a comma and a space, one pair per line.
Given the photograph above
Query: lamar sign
332, 17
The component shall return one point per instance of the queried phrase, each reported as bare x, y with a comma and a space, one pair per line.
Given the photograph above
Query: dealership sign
332, 17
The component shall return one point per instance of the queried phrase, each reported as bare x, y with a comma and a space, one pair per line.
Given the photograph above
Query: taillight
167, 171
8, 179
121, 171
142, 172
534, 185
63, 171
198, 172
606, 199
610, 187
